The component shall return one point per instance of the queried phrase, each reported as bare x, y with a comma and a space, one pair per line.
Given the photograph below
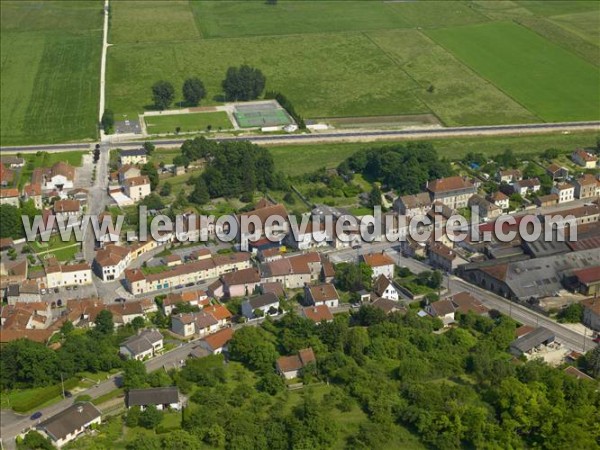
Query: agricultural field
50, 77
187, 122
551, 82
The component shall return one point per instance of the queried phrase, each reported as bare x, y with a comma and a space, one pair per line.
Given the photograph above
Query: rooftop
68, 420
152, 396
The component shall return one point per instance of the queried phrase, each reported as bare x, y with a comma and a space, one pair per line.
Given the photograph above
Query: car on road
36, 415
189, 284
597, 339
357, 246
56, 290
120, 299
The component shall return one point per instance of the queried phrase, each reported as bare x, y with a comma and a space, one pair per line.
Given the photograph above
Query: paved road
349, 136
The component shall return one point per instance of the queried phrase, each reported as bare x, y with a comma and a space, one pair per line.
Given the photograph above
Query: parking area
60, 295
83, 174
128, 126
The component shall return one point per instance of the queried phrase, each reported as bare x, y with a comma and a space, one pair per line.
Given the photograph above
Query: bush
287, 105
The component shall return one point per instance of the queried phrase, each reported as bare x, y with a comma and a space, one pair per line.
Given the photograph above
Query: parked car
36, 415
120, 299
56, 290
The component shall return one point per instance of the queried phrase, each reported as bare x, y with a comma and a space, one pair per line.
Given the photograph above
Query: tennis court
268, 114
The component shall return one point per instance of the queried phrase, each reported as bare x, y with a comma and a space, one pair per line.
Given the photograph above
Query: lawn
63, 251
188, 122
26, 400
360, 78
299, 159
548, 80
434, 14
50, 77
454, 92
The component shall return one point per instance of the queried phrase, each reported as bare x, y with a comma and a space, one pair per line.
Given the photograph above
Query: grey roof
263, 300
134, 152
198, 352
152, 396
532, 340
540, 248
68, 420
204, 320
142, 342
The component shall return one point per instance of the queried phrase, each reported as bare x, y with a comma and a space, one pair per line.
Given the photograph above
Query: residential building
313, 236
381, 264
63, 209
321, 294
584, 159
264, 215
61, 275
557, 172
452, 191
587, 186
388, 306
111, 261
216, 343
509, 176
318, 313
194, 298
443, 257
546, 200
385, 288
7, 176
464, 303
524, 187
134, 156
68, 424
531, 341
591, 313
137, 188
33, 192
268, 304
576, 373
499, 199
128, 171
9, 196
220, 313
59, 177
443, 309
485, 209
565, 192
145, 344
199, 323
293, 272
240, 283
413, 205
162, 398
14, 162
290, 367
125, 312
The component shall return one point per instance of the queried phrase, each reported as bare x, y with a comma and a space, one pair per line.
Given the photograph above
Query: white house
291, 366
322, 294
216, 343
523, 187
162, 397
134, 156
9, 196
381, 264
68, 424
384, 288
267, 303
137, 188
63, 209
143, 345
188, 324
111, 261
584, 159
58, 275
444, 309
565, 192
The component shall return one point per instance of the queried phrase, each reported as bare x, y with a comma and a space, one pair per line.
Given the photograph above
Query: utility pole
584, 337
62, 383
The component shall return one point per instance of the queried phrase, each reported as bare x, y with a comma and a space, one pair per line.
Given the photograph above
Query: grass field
45, 159
50, 77
585, 25
548, 80
187, 122
299, 159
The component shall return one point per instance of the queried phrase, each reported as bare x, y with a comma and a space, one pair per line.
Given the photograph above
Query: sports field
50, 71
549, 81
187, 122
261, 115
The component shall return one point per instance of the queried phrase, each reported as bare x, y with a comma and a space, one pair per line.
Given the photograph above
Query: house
565, 192
531, 341
454, 192
317, 314
267, 303
524, 187
143, 345
413, 205
199, 323
111, 261
240, 283
485, 209
546, 200
63, 209
321, 294
282, 271
7, 176
313, 236
508, 176
193, 298
388, 306
137, 188
464, 303
68, 424
59, 177
134, 156
9, 196
161, 397
14, 162
172, 260
499, 199
79, 194
220, 313
591, 313
33, 192
273, 288
444, 257
217, 343
128, 171
291, 366
61, 275
381, 264
444, 309
587, 280
587, 186
264, 215
557, 172
384, 288
584, 159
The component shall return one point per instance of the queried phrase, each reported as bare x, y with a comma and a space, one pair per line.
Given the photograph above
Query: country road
342, 136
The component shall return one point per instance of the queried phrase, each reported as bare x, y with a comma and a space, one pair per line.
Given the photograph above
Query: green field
551, 82
584, 25
50, 77
298, 159
187, 122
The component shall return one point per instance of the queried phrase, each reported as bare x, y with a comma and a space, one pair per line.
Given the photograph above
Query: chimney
80, 409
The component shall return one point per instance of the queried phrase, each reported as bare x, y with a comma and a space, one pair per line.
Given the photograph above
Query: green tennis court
250, 118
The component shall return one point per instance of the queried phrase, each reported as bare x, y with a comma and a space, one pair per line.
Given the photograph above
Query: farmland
50, 78
548, 80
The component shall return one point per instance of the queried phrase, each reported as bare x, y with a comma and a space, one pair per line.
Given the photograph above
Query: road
347, 136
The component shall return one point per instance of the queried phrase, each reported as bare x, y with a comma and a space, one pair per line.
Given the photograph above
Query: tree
180, 440
251, 345
150, 171
243, 83
134, 374
35, 441
138, 323
571, 314
165, 190
271, 383
108, 121
193, 91
145, 442
375, 196
67, 328
149, 147
153, 201
27, 364
12, 225
104, 322
353, 277
132, 418
199, 195
150, 417
163, 94
592, 361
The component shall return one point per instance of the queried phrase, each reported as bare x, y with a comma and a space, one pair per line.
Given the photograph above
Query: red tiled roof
219, 339
588, 275
323, 292
378, 260
449, 184
317, 313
